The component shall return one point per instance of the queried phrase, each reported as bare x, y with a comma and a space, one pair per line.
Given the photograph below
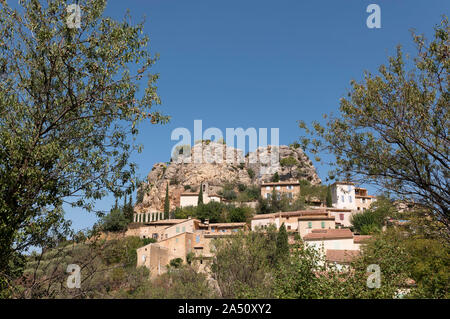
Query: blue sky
262, 64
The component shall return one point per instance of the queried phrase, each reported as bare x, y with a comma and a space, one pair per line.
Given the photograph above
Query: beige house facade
290, 189
363, 199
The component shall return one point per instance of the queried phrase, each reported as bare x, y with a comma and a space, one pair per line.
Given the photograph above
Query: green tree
69, 104
394, 127
282, 250
166, 203
289, 162
176, 262
276, 177
115, 221
200, 196
329, 199
372, 220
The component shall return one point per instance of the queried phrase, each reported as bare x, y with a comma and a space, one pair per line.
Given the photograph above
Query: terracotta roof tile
341, 255
361, 238
317, 234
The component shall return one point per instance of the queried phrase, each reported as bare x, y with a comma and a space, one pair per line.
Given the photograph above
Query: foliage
216, 212
289, 162
115, 221
190, 257
107, 267
275, 177
394, 127
176, 263
251, 173
372, 220
228, 191
200, 196
182, 283
69, 107
166, 203
242, 264
250, 193
329, 199
282, 247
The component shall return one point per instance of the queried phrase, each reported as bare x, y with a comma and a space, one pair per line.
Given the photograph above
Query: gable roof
318, 234
311, 212
341, 255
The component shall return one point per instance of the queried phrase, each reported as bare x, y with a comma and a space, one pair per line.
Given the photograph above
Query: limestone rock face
216, 164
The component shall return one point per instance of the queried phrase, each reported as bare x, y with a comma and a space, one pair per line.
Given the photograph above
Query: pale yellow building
363, 199
290, 189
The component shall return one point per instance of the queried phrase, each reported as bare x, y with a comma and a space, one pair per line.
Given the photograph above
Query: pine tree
200, 196
166, 203
282, 247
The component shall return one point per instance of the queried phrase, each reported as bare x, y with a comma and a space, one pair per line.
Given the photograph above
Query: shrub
251, 173
275, 178
176, 263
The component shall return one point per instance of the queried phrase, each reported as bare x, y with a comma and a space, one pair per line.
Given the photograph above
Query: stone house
290, 189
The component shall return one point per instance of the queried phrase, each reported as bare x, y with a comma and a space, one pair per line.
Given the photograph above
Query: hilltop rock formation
217, 164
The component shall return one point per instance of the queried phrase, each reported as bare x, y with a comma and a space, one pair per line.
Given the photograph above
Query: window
363, 200
183, 229
341, 216
267, 188
178, 229
349, 188
323, 224
289, 195
289, 227
290, 187
343, 198
350, 199
176, 240
268, 196
309, 224
212, 229
278, 187
197, 239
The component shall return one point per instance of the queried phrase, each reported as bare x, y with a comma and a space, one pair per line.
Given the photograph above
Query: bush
176, 263
242, 187
115, 221
251, 173
275, 178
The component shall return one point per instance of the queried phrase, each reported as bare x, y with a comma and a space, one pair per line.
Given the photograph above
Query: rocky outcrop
217, 164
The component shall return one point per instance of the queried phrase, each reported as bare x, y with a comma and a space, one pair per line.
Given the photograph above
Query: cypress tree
282, 247
166, 203
329, 199
200, 196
